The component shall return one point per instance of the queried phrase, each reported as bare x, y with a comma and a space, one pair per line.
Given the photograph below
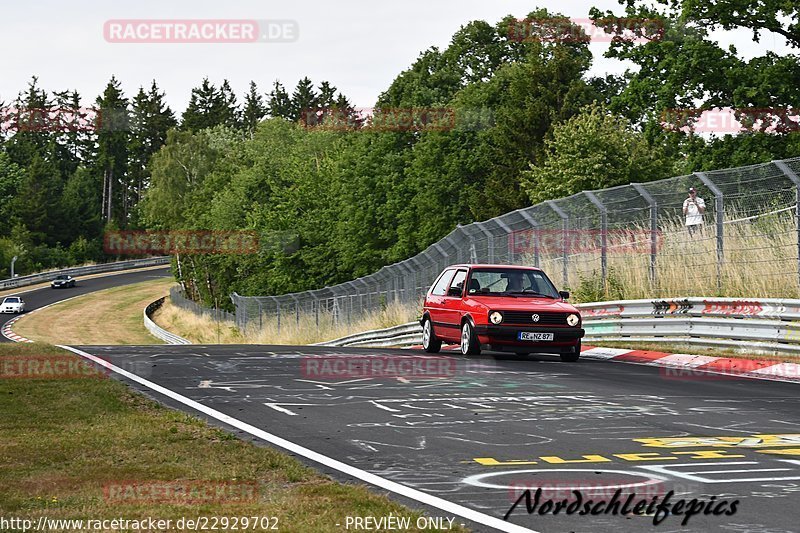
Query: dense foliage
335, 195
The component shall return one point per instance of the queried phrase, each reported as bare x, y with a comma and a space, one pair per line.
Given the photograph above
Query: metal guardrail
405, 334
155, 329
33, 279
770, 325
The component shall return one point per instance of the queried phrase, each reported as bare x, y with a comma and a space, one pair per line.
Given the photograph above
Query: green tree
305, 100
81, 203
178, 170
681, 71
37, 204
593, 150
11, 178
150, 121
279, 104
30, 126
254, 109
112, 151
209, 107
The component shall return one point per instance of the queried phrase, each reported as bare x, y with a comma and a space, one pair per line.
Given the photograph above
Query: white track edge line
372, 479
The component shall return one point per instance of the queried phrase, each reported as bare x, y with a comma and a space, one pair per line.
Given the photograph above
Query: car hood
505, 303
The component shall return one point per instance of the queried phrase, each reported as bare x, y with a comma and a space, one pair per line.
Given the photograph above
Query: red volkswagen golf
502, 308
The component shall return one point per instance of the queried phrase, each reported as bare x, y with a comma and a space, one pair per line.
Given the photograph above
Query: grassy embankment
79, 445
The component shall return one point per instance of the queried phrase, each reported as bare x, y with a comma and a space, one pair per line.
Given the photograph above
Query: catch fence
627, 242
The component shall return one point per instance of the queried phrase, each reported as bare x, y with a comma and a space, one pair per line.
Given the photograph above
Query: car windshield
62, 277
516, 282
12, 300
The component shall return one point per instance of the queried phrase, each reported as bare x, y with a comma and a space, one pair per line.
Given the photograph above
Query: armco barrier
161, 333
764, 325
33, 279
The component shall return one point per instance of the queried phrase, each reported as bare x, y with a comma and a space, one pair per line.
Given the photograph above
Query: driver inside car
514, 282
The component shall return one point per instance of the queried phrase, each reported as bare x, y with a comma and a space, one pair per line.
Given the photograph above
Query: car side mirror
454, 292
564, 294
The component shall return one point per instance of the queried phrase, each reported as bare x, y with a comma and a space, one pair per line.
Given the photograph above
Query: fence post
719, 207
653, 228
361, 296
603, 234
445, 255
351, 285
235, 301
277, 311
565, 238
420, 267
509, 232
296, 309
535, 225
401, 296
796, 180
490, 242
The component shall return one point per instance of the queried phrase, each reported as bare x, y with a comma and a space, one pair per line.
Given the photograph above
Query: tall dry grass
293, 330
759, 261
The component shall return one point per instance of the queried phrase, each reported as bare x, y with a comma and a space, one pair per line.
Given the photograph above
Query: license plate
532, 336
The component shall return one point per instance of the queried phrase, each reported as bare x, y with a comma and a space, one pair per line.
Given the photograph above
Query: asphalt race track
39, 298
485, 429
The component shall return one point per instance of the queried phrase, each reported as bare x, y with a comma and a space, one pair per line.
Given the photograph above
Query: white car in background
12, 304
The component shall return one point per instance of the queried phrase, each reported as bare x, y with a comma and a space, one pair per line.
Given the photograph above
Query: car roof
486, 265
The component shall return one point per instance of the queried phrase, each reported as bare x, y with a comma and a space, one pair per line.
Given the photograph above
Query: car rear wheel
429, 341
571, 357
469, 341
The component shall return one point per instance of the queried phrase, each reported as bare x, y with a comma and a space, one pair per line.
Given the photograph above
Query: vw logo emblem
535, 318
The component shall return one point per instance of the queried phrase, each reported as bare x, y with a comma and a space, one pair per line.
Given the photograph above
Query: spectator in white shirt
693, 209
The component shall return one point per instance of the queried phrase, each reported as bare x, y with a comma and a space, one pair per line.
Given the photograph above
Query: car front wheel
571, 357
469, 341
429, 341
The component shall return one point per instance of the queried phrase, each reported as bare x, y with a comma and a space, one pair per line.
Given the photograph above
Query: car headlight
496, 317
573, 320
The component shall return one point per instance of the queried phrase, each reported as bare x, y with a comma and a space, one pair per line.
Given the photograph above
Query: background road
41, 297
489, 428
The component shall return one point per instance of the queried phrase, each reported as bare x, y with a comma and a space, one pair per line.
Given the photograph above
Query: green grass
64, 439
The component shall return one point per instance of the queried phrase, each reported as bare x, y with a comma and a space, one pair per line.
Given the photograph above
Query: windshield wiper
531, 292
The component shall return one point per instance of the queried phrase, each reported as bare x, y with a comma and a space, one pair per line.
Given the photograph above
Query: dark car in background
62, 281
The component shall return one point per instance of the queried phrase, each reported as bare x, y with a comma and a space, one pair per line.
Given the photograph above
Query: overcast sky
359, 46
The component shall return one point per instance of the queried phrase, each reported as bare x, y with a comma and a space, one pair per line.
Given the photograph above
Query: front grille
526, 317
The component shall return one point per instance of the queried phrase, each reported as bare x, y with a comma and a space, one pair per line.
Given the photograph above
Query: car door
452, 306
436, 300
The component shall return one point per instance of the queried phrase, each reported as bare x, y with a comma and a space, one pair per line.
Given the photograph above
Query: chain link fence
630, 241
178, 299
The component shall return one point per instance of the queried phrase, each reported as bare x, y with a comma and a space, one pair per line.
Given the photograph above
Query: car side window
440, 288
458, 280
